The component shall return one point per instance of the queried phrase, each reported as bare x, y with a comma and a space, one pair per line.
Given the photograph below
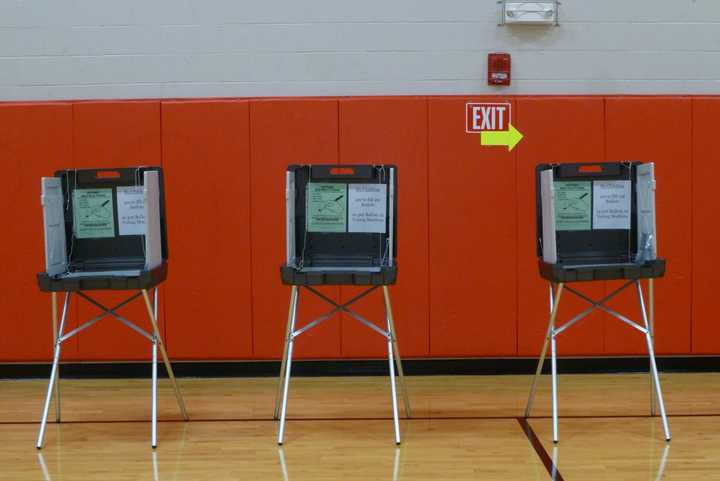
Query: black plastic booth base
385, 277
146, 280
567, 273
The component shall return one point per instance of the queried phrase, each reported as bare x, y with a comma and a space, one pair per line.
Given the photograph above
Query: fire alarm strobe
498, 69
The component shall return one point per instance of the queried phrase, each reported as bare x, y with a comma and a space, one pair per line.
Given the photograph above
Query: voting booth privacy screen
102, 225
341, 224
595, 215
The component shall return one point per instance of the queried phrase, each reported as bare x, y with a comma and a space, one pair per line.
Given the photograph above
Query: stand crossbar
553, 332
106, 313
60, 337
612, 312
292, 333
353, 314
595, 304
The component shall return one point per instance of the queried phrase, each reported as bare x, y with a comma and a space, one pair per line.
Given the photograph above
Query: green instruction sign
573, 205
326, 207
93, 213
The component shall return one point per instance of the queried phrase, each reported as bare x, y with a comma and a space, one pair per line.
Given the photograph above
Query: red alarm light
498, 69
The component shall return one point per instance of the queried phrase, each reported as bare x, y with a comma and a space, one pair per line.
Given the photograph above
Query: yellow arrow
509, 137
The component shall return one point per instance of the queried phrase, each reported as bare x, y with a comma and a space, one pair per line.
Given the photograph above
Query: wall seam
517, 234
250, 227
166, 340
692, 225
74, 304
338, 120
429, 239
605, 159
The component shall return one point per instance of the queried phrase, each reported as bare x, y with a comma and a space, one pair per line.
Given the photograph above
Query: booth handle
591, 170
341, 172
107, 174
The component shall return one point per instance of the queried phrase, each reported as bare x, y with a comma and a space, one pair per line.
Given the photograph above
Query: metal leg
651, 328
152, 310
288, 333
288, 365
391, 363
153, 441
56, 335
393, 336
653, 364
53, 373
554, 305
553, 362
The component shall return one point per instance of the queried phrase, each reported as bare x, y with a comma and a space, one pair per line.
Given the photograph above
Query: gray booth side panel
646, 232
547, 196
290, 218
56, 261
153, 245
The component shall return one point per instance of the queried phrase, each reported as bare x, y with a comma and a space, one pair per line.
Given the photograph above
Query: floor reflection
284, 468
663, 462
555, 475
153, 453
47, 477
43, 467
554, 472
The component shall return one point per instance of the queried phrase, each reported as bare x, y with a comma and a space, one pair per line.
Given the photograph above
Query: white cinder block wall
75, 49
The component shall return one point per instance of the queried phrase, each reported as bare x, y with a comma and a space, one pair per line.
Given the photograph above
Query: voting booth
340, 230
597, 222
105, 229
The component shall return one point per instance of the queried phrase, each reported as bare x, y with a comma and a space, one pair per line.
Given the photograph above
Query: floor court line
368, 418
547, 461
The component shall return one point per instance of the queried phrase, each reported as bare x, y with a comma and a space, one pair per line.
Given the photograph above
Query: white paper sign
131, 210
367, 208
611, 204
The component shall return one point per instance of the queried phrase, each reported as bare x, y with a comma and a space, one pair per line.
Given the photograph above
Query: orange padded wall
35, 140
468, 280
473, 238
206, 155
556, 130
706, 226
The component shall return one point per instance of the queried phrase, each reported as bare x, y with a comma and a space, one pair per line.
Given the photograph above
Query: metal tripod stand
553, 332
292, 333
61, 336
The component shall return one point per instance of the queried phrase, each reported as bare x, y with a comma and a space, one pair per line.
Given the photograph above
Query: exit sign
486, 117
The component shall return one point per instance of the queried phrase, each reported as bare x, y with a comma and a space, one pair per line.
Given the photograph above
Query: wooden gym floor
464, 428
